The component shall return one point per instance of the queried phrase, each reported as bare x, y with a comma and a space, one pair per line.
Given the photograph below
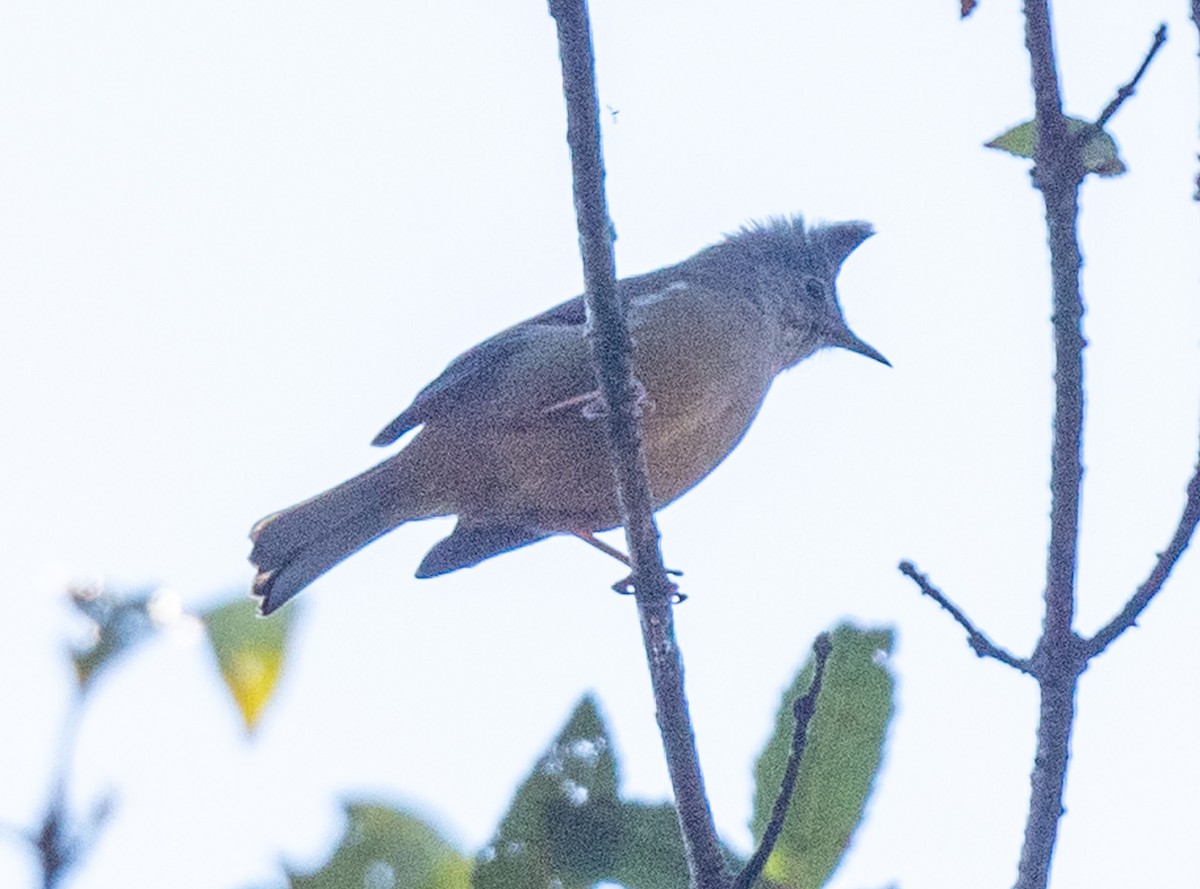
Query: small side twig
803, 710
1158, 575
979, 642
1160, 37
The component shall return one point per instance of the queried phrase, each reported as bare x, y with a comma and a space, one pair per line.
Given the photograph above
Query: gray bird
512, 439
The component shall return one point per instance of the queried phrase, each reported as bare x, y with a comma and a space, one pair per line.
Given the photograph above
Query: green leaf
384, 848
567, 827
117, 623
841, 760
1020, 140
250, 652
1100, 154
652, 854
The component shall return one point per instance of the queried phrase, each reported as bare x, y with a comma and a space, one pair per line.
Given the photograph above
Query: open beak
846, 339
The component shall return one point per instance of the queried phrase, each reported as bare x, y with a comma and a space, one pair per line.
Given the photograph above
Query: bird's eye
814, 289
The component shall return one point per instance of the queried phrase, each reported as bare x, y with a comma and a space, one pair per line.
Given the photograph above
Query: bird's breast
705, 365
705, 379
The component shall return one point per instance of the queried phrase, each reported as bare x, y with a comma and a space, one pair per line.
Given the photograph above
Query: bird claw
593, 405
626, 587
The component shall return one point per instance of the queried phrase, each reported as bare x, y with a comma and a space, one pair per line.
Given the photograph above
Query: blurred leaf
387, 849
116, 624
966, 7
1100, 154
566, 826
249, 652
652, 854
841, 760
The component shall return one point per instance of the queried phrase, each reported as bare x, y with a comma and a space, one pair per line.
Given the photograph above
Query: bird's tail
295, 546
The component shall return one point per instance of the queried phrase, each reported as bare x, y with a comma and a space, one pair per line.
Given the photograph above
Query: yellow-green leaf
250, 652
1100, 154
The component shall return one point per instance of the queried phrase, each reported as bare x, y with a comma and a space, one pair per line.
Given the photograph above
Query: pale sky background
237, 237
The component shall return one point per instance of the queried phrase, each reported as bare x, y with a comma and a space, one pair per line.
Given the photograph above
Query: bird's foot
625, 587
592, 405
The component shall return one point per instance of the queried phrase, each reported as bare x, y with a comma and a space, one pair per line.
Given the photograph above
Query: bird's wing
475, 372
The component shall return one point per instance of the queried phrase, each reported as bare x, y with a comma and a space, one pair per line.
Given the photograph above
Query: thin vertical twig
612, 356
61, 841
1196, 21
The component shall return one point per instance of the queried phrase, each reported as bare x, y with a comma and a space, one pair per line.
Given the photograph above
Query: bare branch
1158, 575
1058, 172
1160, 37
802, 709
976, 638
612, 357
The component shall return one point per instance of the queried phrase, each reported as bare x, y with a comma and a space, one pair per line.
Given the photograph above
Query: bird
511, 437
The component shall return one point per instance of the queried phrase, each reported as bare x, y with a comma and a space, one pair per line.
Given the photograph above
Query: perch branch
612, 357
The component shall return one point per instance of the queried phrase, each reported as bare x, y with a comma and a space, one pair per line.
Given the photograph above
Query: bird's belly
703, 397
558, 477
683, 448
552, 470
